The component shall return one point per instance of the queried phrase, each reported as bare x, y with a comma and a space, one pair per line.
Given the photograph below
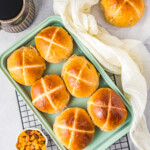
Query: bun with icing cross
80, 76
74, 128
123, 13
49, 94
25, 65
54, 44
106, 109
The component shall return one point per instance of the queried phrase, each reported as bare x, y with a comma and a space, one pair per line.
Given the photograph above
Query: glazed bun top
74, 128
106, 109
80, 76
54, 44
123, 13
25, 65
49, 94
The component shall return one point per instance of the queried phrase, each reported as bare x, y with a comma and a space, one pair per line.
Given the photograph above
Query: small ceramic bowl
46, 141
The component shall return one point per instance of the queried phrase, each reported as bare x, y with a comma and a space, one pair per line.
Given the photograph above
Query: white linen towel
127, 57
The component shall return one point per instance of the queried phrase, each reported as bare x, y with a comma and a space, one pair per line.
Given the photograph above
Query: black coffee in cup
16, 15
9, 9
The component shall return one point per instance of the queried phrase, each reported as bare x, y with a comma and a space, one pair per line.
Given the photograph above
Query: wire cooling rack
29, 120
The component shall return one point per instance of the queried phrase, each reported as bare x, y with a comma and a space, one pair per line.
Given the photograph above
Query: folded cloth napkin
127, 57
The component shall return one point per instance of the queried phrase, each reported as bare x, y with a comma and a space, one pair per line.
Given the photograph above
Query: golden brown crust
83, 121
54, 44
15, 59
66, 118
64, 136
123, 13
44, 105
80, 76
81, 140
25, 65
74, 128
49, 94
106, 109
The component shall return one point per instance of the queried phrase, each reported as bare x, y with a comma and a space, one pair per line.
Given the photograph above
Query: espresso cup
22, 20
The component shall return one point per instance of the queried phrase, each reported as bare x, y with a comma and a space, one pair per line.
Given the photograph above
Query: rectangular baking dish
101, 140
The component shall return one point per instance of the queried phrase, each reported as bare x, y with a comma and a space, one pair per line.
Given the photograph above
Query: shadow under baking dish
101, 140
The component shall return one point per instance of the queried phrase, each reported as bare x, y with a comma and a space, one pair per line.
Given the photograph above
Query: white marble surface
10, 123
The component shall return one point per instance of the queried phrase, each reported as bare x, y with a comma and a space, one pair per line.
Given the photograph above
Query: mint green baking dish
101, 140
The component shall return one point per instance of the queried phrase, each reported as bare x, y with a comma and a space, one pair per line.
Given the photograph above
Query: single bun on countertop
80, 76
25, 65
106, 109
123, 13
49, 94
54, 44
74, 128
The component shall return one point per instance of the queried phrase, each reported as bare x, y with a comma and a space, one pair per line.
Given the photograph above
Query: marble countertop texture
10, 123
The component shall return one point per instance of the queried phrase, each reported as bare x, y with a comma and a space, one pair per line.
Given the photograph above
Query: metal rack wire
29, 120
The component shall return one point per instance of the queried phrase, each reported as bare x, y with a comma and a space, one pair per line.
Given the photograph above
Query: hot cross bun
123, 13
25, 65
54, 44
49, 94
106, 109
80, 76
74, 128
